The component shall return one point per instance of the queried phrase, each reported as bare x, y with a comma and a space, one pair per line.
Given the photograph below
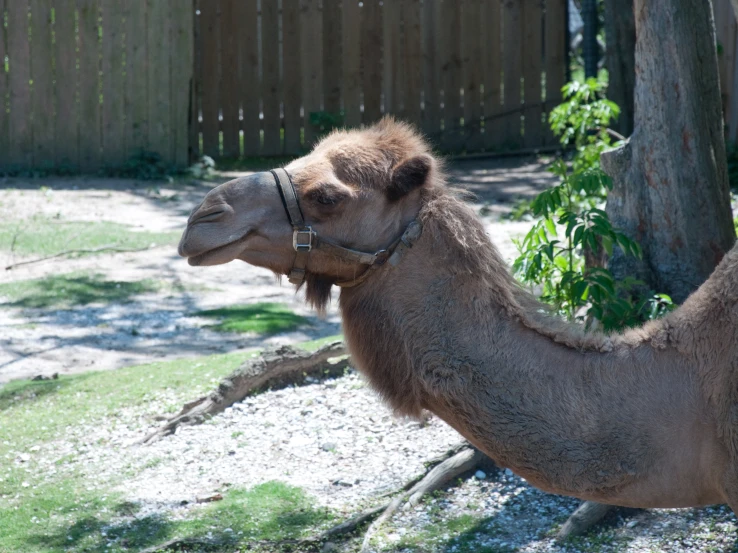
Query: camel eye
326, 196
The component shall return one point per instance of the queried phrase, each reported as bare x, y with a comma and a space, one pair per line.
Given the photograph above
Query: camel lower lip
220, 255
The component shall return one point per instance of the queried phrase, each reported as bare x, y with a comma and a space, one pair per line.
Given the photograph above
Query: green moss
44, 236
259, 318
70, 290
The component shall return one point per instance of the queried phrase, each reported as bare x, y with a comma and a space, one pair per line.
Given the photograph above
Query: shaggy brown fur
648, 418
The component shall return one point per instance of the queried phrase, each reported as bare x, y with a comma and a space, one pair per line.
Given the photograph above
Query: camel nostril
207, 216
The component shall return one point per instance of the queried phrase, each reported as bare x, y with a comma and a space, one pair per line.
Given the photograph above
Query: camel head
356, 189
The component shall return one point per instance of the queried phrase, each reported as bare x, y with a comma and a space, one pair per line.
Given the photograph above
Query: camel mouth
220, 254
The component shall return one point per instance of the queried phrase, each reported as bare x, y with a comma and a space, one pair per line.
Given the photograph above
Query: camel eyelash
325, 197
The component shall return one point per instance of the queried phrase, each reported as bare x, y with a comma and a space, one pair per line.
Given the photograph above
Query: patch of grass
259, 318
49, 505
63, 291
466, 530
68, 517
36, 411
46, 236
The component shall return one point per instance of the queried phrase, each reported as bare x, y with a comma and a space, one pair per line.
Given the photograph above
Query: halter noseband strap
305, 239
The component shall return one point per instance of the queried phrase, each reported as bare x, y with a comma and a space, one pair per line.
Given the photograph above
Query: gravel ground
339, 443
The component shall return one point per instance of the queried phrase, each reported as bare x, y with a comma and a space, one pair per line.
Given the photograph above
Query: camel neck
445, 331
451, 302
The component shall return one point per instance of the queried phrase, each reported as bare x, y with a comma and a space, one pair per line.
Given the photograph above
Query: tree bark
620, 60
670, 178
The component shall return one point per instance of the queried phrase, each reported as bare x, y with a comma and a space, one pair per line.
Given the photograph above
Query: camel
435, 321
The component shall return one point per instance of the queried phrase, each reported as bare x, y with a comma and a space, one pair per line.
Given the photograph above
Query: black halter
305, 239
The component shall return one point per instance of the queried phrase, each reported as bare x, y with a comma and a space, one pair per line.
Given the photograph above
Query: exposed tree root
442, 470
587, 515
274, 368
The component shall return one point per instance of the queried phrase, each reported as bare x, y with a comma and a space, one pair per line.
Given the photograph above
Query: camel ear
409, 175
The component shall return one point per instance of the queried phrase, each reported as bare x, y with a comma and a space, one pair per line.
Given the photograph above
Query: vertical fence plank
492, 69
532, 68
42, 103
137, 128
555, 51
42, 93
451, 75
67, 108
230, 77
158, 26
20, 149
4, 136
472, 74
113, 116
431, 77
292, 79
90, 136
332, 56
391, 69
512, 57
210, 77
371, 49
351, 92
249, 54
270, 89
194, 131
311, 28
412, 75
181, 70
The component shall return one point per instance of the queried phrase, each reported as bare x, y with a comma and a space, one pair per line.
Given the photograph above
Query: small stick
86, 250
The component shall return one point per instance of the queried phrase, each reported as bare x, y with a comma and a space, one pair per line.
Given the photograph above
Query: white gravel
339, 443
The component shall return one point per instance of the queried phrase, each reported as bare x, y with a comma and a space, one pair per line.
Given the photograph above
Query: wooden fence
88, 83
472, 74
727, 32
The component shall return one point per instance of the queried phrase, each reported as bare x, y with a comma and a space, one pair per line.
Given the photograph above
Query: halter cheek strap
302, 234
305, 239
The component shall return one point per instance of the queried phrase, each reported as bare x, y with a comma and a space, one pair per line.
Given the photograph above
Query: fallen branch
440, 471
83, 250
463, 461
272, 369
587, 515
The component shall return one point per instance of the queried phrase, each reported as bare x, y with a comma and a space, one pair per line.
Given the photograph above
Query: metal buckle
302, 245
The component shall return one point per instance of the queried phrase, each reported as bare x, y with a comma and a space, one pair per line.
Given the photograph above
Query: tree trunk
670, 179
620, 60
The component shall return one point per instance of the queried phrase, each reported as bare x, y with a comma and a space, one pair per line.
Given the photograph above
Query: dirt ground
161, 324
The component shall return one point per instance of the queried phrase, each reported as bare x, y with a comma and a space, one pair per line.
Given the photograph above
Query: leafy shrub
572, 224
144, 165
